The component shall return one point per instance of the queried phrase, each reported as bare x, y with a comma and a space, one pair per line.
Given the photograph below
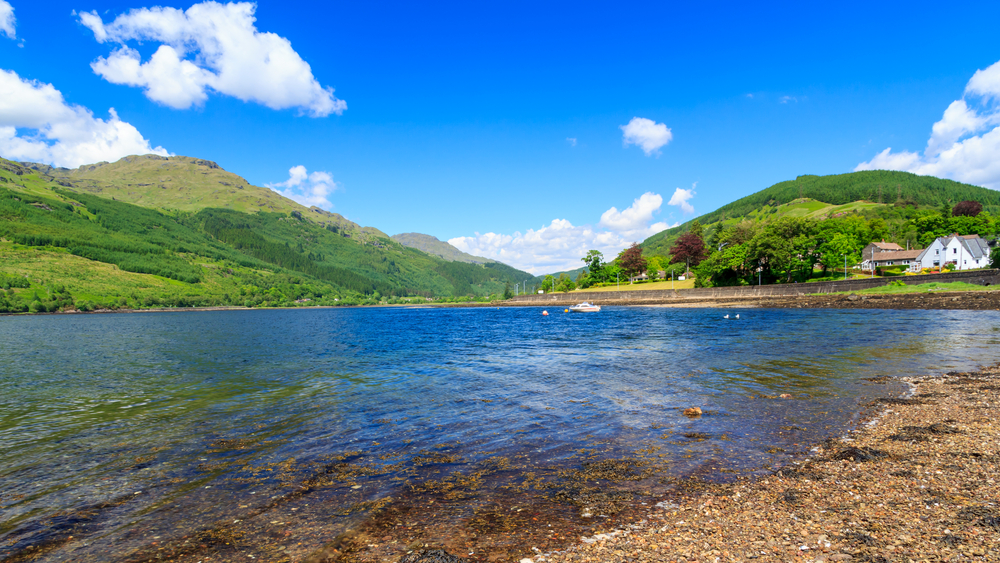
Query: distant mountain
823, 196
431, 245
181, 231
183, 183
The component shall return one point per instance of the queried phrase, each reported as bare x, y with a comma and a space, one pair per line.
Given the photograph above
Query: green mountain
113, 239
441, 249
831, 196
182, 183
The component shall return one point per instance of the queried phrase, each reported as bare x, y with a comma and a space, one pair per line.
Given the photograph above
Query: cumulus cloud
635, 222
786, 99
964, 144
560, 244
307, 189
7, 19
681, 198
571, 141
210, 47
36, 124
646, 134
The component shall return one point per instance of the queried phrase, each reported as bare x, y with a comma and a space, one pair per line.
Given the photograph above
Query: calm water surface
268, 433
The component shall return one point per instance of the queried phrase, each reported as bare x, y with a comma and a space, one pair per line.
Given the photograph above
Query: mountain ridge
207, 255
433, 245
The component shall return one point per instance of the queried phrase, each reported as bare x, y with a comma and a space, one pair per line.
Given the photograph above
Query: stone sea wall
978, 277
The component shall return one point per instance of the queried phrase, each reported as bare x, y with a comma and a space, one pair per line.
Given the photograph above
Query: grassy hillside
441, 249
215, 256
180, 183
835, 195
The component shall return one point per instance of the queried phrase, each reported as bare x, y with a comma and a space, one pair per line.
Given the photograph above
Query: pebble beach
918, 482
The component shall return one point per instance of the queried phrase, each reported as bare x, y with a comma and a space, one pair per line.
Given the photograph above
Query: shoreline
987, 300
919, 481
923, 485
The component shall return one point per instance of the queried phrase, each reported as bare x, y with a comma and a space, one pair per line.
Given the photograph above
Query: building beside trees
962, 252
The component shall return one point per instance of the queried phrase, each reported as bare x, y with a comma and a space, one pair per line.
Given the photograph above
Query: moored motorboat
585, 307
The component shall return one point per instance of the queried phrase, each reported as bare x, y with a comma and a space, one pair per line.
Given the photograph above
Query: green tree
548, 284
696, 229
565, 283
653, 266
833, 251
595, 266
508, 292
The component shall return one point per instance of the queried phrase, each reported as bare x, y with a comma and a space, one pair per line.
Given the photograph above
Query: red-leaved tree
631, 260
688, 246
967, 209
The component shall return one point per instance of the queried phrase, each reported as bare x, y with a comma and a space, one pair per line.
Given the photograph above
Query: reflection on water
124, 430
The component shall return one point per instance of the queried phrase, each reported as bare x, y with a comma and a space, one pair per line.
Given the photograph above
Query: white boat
585, 307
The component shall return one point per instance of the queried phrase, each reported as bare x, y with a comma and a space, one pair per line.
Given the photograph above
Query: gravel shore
920, 483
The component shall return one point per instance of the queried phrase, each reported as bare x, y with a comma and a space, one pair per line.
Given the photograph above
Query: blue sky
505, 127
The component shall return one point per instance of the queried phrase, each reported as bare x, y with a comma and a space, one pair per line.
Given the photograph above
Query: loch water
272, 432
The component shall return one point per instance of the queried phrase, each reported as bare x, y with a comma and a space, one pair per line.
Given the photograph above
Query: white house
966, 252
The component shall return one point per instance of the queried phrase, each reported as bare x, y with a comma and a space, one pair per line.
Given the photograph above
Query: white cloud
210, 47
964, 144
7, 19
681, 198
570, 140
646, 134
307, 189
786, 99
36, 124
560, 245
635, 221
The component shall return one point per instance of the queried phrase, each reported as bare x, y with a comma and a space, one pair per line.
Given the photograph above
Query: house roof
898, 255
887, 246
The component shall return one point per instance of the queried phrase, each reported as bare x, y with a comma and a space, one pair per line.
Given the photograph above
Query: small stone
692, 412
785, 396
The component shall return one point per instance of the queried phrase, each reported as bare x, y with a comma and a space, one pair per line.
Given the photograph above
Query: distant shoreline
962, 300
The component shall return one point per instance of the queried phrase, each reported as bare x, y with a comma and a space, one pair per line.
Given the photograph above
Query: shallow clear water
124, 429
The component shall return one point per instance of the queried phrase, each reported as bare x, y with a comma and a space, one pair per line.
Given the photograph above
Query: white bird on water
727, 316
737, 315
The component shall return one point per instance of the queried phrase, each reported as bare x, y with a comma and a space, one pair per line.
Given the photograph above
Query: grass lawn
644, 286
920, 288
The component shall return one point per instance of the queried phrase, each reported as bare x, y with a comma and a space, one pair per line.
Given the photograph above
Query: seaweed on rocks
859, 454
432, 556
896, 401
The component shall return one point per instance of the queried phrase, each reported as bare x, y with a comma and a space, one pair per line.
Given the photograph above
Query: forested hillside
212, 256
874, 186
796, 231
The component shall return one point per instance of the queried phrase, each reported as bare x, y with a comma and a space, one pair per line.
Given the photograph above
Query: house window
937, 252
954, 251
